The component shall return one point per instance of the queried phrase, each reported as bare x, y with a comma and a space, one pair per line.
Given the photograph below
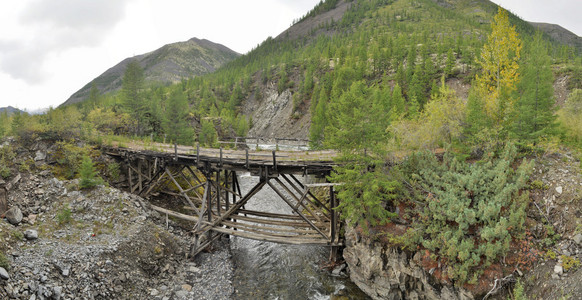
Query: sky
51, 48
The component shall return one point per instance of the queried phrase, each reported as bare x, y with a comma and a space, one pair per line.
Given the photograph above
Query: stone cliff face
273, 116
385, 272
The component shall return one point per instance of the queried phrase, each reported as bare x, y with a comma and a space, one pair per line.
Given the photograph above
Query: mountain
10, 110
168, 64
560, 34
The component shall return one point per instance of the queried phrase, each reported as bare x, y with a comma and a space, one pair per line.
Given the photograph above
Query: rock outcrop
385, 272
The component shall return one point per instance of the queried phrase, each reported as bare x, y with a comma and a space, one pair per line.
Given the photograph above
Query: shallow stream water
265, 270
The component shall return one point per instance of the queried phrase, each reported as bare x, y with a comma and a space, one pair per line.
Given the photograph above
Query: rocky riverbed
99, 244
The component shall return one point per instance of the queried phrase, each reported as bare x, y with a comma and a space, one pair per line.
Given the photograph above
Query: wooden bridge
207, 182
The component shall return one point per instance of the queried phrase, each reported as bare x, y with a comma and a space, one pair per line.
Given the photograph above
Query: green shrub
88, 174
4, 263
68, 157
113, 171
518, 292
7, 156
467, 214
64, 216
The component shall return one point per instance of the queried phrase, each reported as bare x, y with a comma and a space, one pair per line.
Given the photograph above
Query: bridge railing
269, 143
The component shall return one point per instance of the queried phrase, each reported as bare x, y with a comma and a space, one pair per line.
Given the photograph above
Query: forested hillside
166, 65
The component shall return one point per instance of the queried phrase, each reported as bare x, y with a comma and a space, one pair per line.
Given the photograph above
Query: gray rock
40, 155
559, 190
4, 274
558, 270
14, 215
181, 294
578, 239
57, 292
31, 234
338, 270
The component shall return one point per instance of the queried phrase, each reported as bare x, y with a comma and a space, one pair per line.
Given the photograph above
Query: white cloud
49, 27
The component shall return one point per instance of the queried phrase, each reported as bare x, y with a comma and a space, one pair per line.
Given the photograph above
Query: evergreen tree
534, 109
88, 174
318, 121
132, 94
450, 63
208, 135
398, 105
176, 122
417, 86
357, 129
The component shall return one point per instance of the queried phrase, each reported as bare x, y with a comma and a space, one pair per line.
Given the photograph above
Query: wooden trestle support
215, 204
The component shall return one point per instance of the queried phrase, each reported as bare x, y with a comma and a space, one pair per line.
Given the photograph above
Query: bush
570, 116
4, 263
113, 171
68, 157
518, 292
64, 216
88, 174
466, 213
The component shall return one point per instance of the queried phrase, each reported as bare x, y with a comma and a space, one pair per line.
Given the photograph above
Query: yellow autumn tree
499, 63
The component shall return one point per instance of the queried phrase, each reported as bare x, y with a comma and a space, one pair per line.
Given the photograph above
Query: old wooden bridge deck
207, 182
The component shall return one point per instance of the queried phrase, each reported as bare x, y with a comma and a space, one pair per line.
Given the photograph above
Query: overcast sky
51, 48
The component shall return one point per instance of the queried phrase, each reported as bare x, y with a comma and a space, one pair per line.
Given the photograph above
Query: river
265, 270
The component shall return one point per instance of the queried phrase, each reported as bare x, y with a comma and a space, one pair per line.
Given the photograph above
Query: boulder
31, 234
578, 239
4, 274
558, 270
14, 215
40, 155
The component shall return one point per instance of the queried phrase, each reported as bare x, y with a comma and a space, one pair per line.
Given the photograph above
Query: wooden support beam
299, 202
292, 224
159, 174
272, 231
139, 175
236, 206
208, 199
218, 192
299, 190
274, 239
181, 190
227, 196
176, 214
296, 210
333, 217
131, 190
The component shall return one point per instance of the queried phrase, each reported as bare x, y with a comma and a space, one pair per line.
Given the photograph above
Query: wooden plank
271, 221
240, 225
269, 215
266, 238
175, 214
326, 184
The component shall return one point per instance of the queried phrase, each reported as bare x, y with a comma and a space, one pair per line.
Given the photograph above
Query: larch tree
175, 121
357, 129
132, 94
499, 63
534, 109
